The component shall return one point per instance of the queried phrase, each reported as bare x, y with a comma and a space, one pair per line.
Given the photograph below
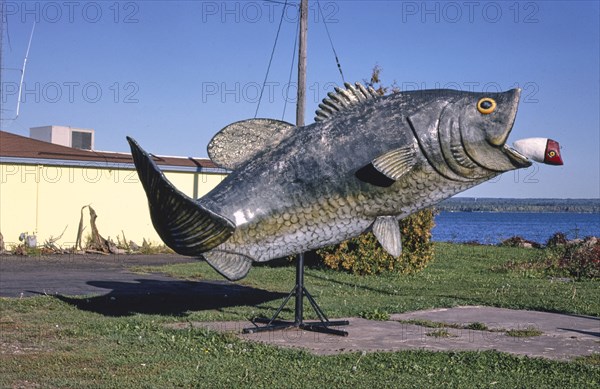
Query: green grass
375, 314
48, 342
459, 275
441, 333
524, 332
477, 326
429, 323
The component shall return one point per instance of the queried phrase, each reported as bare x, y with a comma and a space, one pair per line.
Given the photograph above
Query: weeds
476, 326
375, 315
577, 259
441, 333
524, 333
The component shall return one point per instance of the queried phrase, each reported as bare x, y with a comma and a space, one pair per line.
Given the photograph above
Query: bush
558, 239
582, 260
578, 258
364, 255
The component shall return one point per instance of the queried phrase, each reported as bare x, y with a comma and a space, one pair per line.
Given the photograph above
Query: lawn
69, 342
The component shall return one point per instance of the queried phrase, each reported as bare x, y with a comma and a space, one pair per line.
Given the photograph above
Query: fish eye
486, 105
552, 154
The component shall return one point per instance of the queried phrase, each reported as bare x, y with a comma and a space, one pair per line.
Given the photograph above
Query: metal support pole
299, 306
323, 325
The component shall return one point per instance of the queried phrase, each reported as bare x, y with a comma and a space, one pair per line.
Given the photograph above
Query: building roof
17, 148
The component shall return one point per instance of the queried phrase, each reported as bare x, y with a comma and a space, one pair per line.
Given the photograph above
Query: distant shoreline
473, 204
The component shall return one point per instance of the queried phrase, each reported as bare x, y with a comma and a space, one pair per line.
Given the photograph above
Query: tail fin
184, 225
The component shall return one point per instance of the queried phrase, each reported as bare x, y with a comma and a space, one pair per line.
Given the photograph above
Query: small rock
575, 242
517, 241
591, 241
133, 246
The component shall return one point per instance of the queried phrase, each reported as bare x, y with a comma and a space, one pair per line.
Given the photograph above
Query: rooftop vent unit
78, 138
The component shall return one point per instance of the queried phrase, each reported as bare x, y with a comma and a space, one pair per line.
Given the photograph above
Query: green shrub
582, 259
364, 255
579, 259
558, 239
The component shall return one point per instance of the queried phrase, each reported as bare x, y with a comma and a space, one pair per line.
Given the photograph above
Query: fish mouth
518, 159
510, 99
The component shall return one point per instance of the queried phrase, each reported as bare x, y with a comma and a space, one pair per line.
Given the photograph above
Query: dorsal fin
240, 141
344, 99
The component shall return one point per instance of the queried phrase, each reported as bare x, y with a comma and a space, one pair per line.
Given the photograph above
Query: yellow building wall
45, 199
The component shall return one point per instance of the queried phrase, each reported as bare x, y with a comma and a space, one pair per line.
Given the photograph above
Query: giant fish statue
367, 162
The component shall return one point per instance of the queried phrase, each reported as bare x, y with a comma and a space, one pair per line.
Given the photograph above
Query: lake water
494, 227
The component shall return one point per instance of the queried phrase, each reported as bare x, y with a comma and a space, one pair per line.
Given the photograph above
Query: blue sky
171, 74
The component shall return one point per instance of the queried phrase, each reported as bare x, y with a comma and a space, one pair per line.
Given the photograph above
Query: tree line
473, 204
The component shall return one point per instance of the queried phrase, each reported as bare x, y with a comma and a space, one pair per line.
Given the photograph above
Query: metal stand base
299, 292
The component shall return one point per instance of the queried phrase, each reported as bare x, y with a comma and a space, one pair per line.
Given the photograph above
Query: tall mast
299, 308
301, 97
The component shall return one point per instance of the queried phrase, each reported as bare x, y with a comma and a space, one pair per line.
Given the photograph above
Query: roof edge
106, 165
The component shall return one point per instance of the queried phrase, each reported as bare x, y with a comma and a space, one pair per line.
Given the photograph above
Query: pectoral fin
387, 232
396, 163
231, 265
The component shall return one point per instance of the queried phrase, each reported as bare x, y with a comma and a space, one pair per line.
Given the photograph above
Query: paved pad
75, 275
114, 290
563, 336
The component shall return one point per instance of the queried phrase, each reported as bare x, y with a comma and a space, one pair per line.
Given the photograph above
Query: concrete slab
114, 290
76, 275
563, 336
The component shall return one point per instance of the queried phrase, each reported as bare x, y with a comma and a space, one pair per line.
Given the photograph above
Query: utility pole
301, 97
300, 100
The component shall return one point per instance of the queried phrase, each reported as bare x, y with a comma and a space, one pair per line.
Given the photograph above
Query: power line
339, 66
337, 61
270, 60
291, 69
4, 22
280, 2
